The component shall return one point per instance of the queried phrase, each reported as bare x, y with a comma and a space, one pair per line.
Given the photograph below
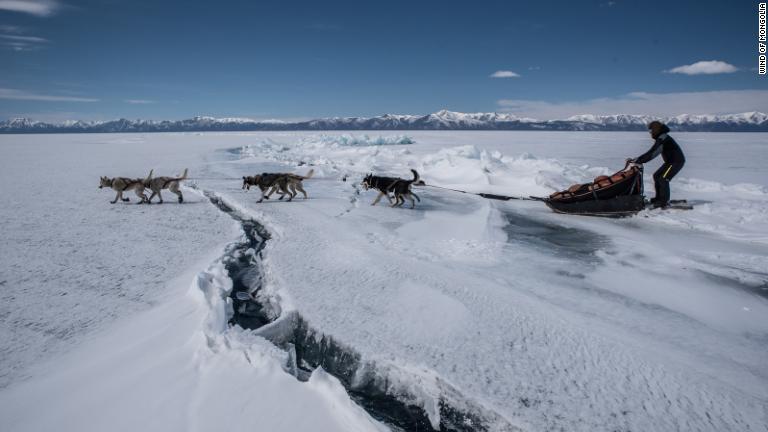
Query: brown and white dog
157, 184
123, 184
284, 183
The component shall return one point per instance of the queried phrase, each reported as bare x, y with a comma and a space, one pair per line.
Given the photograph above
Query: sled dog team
268, 183
400, 189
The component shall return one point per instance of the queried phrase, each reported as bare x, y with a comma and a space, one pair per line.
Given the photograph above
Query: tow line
480, 194
491, 196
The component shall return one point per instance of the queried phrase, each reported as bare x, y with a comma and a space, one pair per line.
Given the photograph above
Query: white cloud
24, 38
19, 46
504, 74
52, 116
15, 94
22, 43
40, 8
139, 101
704, 68
655, 104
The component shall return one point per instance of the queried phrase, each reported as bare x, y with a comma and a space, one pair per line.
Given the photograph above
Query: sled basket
620, 194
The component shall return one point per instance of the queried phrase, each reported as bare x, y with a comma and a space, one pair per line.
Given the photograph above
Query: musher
673, 161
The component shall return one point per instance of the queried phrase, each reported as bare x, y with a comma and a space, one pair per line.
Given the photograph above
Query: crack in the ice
308, 348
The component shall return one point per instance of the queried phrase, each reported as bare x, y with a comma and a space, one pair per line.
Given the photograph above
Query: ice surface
656, 322
554, 321
71, 262
178, 367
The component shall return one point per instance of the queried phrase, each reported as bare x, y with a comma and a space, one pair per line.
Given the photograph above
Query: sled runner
677, 205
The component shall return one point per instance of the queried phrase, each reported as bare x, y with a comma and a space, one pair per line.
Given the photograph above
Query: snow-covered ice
530, 319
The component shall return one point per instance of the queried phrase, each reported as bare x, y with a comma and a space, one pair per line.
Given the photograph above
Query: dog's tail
309, 174
149, 178
415, 176
176, 179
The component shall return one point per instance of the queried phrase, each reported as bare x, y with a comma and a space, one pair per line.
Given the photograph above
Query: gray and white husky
123, 184
157, 184
283, 183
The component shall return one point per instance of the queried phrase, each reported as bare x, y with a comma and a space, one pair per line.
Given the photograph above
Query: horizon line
235, 119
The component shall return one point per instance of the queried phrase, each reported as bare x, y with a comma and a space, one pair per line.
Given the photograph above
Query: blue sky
172, 59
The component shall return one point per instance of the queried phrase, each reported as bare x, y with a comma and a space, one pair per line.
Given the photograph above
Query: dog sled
618, 195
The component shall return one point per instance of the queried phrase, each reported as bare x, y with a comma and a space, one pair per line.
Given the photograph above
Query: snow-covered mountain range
441, 120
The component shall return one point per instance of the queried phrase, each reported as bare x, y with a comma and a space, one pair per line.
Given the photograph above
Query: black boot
662, 199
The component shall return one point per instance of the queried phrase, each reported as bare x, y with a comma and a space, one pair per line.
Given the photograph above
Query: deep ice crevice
403, 397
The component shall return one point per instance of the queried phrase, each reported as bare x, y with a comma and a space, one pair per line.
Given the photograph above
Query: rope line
491, 196
214, 178
480, 194
240, 178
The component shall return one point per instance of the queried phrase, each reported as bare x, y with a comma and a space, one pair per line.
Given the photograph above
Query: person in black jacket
673, 157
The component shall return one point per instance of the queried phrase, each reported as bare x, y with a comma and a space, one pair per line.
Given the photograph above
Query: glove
630, 160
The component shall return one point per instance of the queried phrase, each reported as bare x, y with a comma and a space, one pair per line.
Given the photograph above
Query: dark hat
657, 128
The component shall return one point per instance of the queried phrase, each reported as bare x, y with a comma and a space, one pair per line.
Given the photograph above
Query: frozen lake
529, 319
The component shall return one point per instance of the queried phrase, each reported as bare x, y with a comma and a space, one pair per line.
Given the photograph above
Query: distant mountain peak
440, 120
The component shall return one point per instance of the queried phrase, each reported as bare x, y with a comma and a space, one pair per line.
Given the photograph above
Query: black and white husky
399, 188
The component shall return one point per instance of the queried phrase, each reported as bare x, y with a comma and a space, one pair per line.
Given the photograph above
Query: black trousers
661, 179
